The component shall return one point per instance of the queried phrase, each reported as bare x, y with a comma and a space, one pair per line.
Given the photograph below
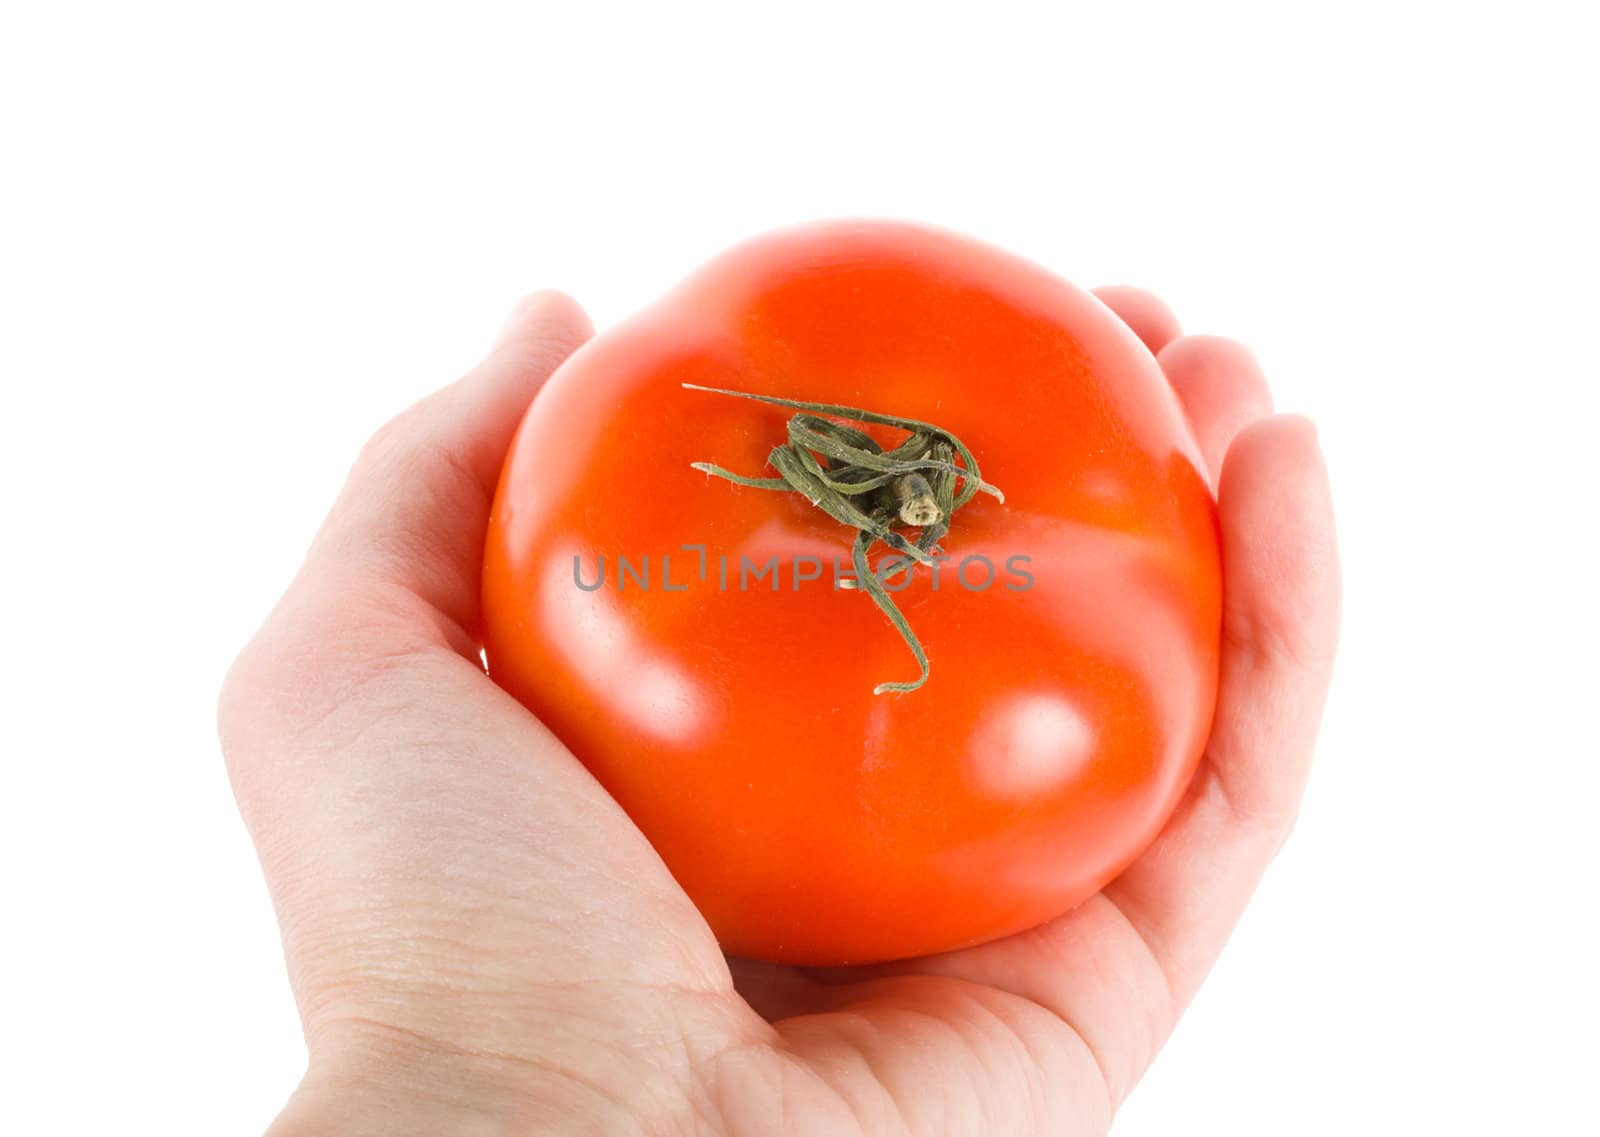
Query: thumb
413, 511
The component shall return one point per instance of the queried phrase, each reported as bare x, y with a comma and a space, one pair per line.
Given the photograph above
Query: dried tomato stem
919, 485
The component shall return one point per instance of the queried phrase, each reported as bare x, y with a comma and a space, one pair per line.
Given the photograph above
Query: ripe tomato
812, 820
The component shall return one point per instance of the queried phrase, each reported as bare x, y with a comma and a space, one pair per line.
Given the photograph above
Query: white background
235, 238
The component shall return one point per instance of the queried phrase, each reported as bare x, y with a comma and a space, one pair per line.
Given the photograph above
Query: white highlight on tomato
644, 686
1028, 743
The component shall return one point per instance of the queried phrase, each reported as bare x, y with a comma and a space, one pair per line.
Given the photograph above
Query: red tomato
810, 819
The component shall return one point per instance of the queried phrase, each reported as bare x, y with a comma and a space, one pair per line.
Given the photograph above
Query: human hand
480, 941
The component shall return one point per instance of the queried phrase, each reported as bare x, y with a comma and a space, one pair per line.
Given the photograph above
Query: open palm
480, 941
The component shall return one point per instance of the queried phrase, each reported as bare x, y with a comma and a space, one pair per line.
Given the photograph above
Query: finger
1121, 966
1145, 312
412, 514
1280, 626
392, 576
1221, 387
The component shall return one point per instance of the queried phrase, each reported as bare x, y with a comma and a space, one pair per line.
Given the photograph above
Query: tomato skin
811, 820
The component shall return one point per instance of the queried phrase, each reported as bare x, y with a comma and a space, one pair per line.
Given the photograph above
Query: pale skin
481, 943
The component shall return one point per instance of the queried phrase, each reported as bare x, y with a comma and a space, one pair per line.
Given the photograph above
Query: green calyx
917, 485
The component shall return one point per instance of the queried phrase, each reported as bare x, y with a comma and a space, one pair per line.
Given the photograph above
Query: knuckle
395, 439
233, 698
1275, 640
311, 662
410, 443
